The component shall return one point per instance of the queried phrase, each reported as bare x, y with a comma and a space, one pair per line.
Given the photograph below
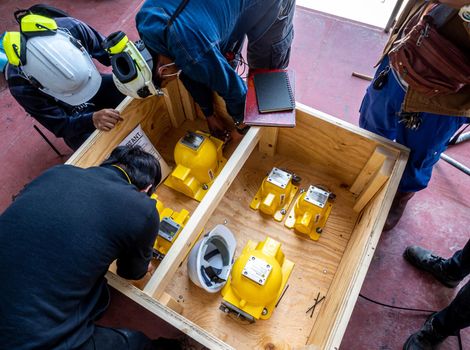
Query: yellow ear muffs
36, 25
115, 43
14, 45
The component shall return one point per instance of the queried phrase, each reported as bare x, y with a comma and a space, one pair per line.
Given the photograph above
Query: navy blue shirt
199, 38
72, 123
57, 241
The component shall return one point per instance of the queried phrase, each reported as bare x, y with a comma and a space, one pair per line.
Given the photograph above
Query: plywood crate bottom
323, 151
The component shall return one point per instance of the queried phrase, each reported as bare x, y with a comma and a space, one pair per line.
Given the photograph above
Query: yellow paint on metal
159, 205
199, 159
258, 278
308, 218
163, 245
272, 198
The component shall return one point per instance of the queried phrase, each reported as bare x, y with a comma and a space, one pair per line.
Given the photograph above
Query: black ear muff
112, 39
22, 51
123, 67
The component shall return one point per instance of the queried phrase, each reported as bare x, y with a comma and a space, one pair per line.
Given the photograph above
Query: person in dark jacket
58, 239
456, 316
57, 83
200, 39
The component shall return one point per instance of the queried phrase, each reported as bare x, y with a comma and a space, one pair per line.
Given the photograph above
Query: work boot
423, 259
398, 207
427, 338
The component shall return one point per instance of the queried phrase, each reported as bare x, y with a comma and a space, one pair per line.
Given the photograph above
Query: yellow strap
127, 176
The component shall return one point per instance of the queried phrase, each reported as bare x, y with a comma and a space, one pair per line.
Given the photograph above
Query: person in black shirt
58, 239
75, 114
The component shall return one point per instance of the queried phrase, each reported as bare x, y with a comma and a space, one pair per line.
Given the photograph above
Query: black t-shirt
56, 243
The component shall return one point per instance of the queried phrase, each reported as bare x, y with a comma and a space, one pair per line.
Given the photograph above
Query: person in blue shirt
199, 38
398, 111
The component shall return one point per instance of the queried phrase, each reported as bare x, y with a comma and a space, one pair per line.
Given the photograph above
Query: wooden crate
361, 168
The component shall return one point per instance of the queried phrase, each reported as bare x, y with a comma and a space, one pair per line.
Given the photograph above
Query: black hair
142, 167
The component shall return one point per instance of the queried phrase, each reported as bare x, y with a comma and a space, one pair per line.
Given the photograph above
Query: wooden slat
374, 185
333, 319
165, 313
187, 101
268, 142
167, 300
174, 103
372, 166
159, 281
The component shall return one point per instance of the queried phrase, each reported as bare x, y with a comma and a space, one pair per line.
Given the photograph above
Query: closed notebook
273, 92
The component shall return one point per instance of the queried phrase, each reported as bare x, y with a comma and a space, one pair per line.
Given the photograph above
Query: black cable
409, 309
396, 307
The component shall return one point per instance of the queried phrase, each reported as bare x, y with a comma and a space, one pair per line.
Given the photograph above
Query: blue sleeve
47, 111
88, 36
201, 94
213, 71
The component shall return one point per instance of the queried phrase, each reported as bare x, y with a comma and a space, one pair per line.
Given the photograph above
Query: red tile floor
326, 51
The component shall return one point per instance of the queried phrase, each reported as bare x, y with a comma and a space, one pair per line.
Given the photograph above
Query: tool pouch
430, 63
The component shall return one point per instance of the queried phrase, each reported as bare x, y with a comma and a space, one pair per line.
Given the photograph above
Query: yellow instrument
171, 224
310, 212
199, 159
257, 280
275, 193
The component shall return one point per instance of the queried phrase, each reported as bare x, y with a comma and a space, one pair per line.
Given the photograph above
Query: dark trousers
116, 339
456, 316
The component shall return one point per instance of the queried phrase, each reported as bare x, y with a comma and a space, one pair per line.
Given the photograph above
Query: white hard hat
211, 259
132, 66
60, 67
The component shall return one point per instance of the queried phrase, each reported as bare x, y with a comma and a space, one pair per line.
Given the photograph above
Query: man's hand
217, 128
106, 119
151, 267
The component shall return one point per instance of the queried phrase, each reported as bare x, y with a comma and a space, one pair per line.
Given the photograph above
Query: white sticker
257, 270
138, 137
317, 196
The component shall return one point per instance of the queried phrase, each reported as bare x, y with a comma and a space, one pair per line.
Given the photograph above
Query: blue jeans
379, 113
456, 316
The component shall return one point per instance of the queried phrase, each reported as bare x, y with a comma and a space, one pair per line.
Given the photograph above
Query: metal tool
317, 301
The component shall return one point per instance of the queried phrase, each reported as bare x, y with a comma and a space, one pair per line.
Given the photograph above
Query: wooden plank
341, 149
167, 300
174, 104
187, 101
162, 276
372, 166
100, 143
96, 134
165, 313
268, 142
334, 316
375, 184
